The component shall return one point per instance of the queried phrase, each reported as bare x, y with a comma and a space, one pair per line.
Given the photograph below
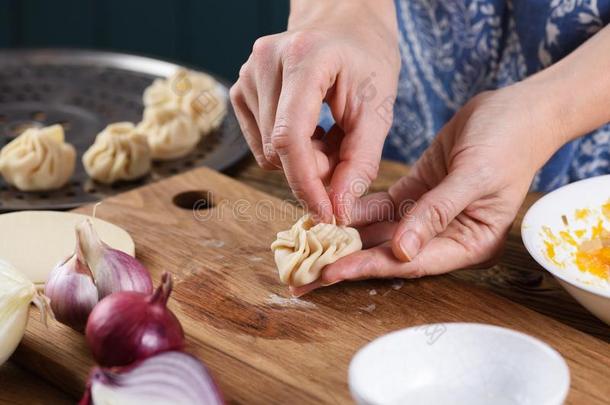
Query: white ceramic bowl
591, 291
458, 363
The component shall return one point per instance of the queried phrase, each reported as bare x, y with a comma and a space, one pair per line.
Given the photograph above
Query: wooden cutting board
261, 348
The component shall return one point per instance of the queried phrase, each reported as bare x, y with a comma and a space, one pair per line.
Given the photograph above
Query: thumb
432, 213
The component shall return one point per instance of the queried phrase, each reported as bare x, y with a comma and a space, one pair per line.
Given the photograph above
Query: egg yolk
596, 262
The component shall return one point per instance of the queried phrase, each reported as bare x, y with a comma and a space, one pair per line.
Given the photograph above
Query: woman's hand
456, 205
454, 208
343, 52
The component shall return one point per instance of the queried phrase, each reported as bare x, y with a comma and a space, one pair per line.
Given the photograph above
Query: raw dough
35, 241
171, 133
302, 251
38, 159
120, 152
195, 93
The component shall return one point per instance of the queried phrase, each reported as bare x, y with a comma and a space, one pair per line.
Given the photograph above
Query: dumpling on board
120, 152
195, 93
39, 159
171, 134
302, 251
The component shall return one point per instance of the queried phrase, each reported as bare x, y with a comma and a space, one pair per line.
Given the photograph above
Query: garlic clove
112, 269
16, 294
72, 292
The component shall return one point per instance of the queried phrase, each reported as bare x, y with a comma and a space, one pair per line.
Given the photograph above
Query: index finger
297, 116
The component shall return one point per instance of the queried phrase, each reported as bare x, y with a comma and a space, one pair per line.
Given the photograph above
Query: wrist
311, 12
576, 89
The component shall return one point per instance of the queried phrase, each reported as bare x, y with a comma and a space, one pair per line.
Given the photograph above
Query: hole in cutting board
194, 200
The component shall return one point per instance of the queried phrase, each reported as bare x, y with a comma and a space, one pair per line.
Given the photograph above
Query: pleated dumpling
120, 152
171, 134
197, 94
38, 159
302, 251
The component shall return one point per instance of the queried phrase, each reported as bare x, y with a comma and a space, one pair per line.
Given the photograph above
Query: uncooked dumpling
119, 152
302, 251
197, 94
170, 132
38, 159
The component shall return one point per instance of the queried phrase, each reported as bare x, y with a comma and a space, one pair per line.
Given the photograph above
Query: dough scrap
302, 251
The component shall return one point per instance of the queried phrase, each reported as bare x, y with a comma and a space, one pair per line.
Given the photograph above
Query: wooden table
516, 277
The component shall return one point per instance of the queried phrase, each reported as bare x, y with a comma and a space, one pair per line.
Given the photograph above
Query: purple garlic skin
94, 271
72, 292
112, 269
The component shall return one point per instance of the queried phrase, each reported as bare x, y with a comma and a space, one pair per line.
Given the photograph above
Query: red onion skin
128, 326
205, 384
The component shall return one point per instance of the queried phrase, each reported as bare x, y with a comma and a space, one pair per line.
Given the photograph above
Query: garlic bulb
16, 294
94, 271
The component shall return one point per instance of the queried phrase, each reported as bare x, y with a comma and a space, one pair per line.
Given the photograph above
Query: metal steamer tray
84, 91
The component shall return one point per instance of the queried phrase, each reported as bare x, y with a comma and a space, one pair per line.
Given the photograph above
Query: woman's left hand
455, 207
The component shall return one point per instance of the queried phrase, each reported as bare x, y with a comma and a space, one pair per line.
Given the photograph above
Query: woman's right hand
343, 52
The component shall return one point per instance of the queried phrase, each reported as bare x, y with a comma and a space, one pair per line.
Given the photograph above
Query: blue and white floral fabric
454, 49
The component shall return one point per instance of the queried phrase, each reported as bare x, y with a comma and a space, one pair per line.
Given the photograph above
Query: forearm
306, 12
576, 90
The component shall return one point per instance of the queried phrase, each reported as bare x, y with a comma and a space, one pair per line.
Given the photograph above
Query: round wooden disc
35, 241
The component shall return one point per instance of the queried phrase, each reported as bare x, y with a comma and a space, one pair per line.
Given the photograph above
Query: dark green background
212, 35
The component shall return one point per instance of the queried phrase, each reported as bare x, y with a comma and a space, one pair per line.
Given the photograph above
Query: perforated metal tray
84, 91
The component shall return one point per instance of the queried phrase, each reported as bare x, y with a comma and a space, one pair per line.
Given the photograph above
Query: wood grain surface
19, 387
260, 352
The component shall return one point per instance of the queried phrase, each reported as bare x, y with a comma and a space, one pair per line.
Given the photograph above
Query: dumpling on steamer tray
302, 251
120, 152
39, 159
171, 133
195, 93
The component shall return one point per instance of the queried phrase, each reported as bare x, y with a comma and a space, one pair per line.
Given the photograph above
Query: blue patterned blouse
454, 49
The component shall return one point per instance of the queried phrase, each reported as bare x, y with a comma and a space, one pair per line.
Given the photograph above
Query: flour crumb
397, 284
255, 259
373, 292
213, 243
292, 302
369, 308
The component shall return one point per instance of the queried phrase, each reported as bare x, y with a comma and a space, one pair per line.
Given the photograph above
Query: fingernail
409, 245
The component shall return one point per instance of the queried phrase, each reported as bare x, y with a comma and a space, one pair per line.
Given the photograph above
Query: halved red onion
167, 378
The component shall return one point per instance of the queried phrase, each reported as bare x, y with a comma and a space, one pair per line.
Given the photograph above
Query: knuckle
371, 266
416, 268
235, 93
244, 71
263, 47
297, 49
280, 137
299, 44
438, 215
269, 151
